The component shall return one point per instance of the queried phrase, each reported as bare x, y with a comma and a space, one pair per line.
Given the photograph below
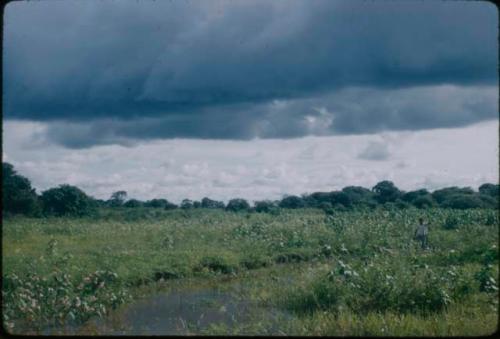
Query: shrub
322, 294
490, 219
451, 223
254, 261
374, 289
217, 264
486, 281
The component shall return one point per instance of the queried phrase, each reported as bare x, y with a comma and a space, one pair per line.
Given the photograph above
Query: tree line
18, 197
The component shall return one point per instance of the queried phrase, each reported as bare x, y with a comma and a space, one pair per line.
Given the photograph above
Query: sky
253, 99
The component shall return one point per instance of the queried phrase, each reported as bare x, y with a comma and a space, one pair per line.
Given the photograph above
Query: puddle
180, 312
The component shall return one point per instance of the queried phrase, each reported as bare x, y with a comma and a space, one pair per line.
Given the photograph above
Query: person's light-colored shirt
422, 229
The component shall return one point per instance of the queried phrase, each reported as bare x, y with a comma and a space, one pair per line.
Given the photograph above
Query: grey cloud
375, 151
349, 111
216, 69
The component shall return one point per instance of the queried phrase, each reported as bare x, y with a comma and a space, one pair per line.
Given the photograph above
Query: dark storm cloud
220, 69
361, 111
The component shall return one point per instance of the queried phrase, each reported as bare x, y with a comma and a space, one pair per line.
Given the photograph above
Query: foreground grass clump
63, 270
383, 286
58, 299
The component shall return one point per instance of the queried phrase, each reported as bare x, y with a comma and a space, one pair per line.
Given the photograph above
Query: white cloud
258, 169
375, 151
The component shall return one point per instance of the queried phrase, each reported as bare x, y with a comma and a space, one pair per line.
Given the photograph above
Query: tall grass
374, 266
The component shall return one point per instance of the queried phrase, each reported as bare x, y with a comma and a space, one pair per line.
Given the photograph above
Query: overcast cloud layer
258, 169
118, 72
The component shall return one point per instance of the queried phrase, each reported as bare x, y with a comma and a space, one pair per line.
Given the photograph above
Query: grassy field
350, 273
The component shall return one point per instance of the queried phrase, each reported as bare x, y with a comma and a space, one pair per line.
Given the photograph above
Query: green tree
209, 203
490, 189
317, 199
420, 198
386, 191
237, 205
443, 194
170, 206
133, 203
462, 201
186, 204
17, 194
156, 203
264, 206
67, 200
360, 196
292, 201
340, 198
424, 201
118, 198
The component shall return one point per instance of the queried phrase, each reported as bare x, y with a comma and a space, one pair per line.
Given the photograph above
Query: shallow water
180, 312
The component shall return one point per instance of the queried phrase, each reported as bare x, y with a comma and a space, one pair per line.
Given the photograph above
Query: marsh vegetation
355, 272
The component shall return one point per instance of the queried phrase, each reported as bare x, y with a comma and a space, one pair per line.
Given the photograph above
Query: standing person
422, 232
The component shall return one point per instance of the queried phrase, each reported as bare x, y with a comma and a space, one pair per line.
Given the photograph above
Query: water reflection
180, 312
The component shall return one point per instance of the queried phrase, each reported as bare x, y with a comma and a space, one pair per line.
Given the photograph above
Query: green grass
350, 273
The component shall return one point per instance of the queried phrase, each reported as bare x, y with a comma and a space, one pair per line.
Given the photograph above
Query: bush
67, 200
486, 281
217, 264
254, 261
374, 289
490, 219
321, 295
451, 223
